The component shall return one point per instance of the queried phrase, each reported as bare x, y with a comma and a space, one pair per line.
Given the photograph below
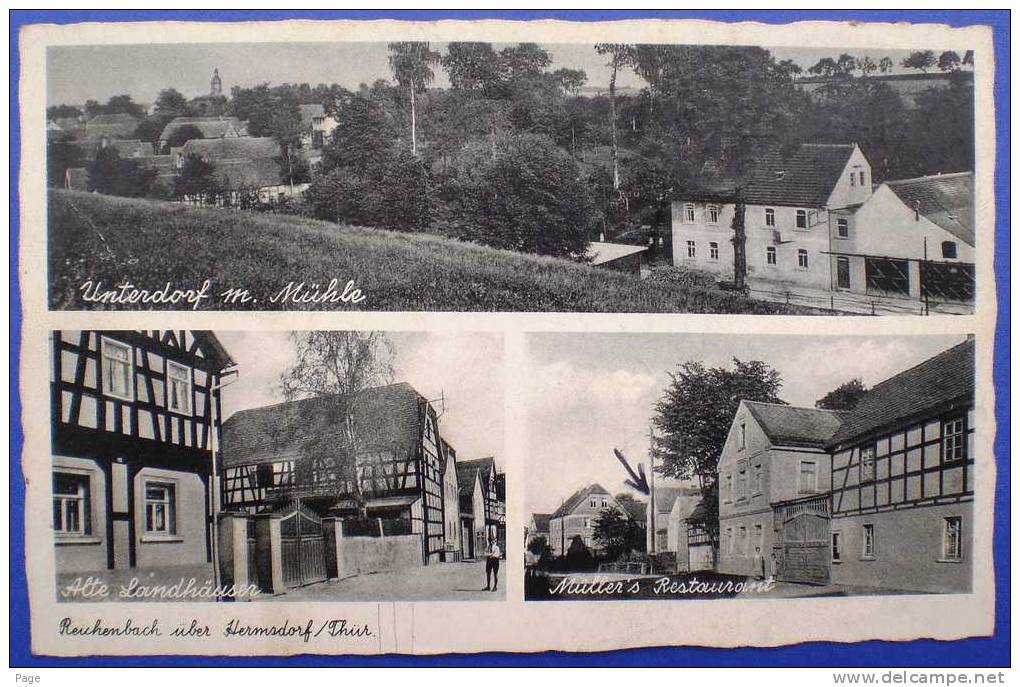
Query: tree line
512, 155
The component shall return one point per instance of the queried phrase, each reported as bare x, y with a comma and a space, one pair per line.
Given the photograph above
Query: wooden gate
304, 547
802, 541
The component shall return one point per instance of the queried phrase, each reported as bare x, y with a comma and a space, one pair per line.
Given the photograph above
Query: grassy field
151, 243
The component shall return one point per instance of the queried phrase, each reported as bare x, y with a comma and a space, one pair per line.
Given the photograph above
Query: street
437, 582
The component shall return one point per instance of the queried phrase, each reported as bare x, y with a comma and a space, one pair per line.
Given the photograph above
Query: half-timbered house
903, 469
494, 506
276, 455
135, 422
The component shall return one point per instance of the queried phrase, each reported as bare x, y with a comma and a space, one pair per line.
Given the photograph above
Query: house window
713, 251
868, 541
757, 479
713, 214
802, 219
692, 249
953, 440
853, 179
759, 537
867, 463
808, 481
605, 502
728, 488
742, 484
770, 255
661, 540
842, 228
802, 261
949, 250
860, 176
952, 540
689, 213
742, 436
837, 547
178, 388
71, 504
728, 544
770, 217
594, 502
117, 366
160, 509
742, 541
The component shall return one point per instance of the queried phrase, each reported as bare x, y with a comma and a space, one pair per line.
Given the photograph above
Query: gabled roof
232, 149
794, 426
467, 475
577, 497
665, 497
310, 112
938, 382
213, 349
113, 125
385, 418
945, 199
485, 466
211, 127
541, 521
237, 175
804, 178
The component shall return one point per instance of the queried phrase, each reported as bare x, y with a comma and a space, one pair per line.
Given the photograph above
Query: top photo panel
511, 177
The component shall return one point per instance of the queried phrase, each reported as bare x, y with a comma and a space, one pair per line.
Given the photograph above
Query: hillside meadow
111, 240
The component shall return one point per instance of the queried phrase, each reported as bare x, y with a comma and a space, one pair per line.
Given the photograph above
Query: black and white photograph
297, 466
777, 466
540, 177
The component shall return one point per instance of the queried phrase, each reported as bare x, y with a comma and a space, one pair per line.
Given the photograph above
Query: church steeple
215, 86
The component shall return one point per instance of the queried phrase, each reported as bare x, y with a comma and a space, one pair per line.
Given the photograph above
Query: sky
590, 393
464, 368
143, 70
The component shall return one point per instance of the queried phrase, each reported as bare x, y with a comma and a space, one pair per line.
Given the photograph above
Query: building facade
135, 424
773, 486
903, 480
576, 517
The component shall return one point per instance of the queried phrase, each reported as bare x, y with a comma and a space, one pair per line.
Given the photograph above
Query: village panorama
504, 177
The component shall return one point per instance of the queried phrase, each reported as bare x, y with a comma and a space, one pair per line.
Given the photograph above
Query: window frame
867, 541
169, 502
742, 436
801, 487
692, 249
770, 217
802, 259
713, 251
105, 342
83, 499
947, 555
871, 450
190, 386
960, 443
836, 546
955, 252
712, 214
689, 214
801, 218
771, 256
843, 228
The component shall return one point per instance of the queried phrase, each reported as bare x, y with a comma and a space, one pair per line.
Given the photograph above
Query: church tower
216, 86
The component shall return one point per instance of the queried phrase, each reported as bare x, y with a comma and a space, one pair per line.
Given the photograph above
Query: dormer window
949, 250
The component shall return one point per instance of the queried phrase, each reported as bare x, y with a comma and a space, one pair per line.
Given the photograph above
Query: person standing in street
759, 564
492, 555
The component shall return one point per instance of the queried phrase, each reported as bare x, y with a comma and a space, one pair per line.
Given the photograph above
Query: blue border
984, 652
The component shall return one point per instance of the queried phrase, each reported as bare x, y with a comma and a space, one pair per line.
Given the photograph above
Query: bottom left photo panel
331, 466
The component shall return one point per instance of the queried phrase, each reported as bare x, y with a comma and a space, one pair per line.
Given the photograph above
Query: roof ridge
949, 350
316, 398
930, 176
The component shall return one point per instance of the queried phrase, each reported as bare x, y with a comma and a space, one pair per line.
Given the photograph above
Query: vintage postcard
375, 337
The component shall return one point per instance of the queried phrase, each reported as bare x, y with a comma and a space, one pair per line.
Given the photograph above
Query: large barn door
947, 281
887, 277
304, 547
802, 541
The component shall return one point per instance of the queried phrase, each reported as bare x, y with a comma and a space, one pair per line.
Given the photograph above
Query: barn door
886, 276
304, 547
802, 549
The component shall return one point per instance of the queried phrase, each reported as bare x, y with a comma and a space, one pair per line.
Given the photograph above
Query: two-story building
577, 515
774, 475
903, 466
912, 238
293, 450
493, 504
789, 207
474, 533
135, 422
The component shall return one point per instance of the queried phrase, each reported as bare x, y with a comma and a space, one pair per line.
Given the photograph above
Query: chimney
917, 211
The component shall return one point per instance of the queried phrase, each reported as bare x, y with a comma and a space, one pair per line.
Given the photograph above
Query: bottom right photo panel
699, 466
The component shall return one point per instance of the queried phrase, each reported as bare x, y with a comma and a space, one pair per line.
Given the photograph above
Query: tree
197, 180
949, 61
570, 80
182, 134
411, 64
523, 59
123, 104
885, 65
171, 103
528, 197
693, 417
473, 67
920, 59
823, 67
616, 534
62, 111
620, 56
335, 367
62, 153
109, 173
846, 396
866, 66
538, 546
